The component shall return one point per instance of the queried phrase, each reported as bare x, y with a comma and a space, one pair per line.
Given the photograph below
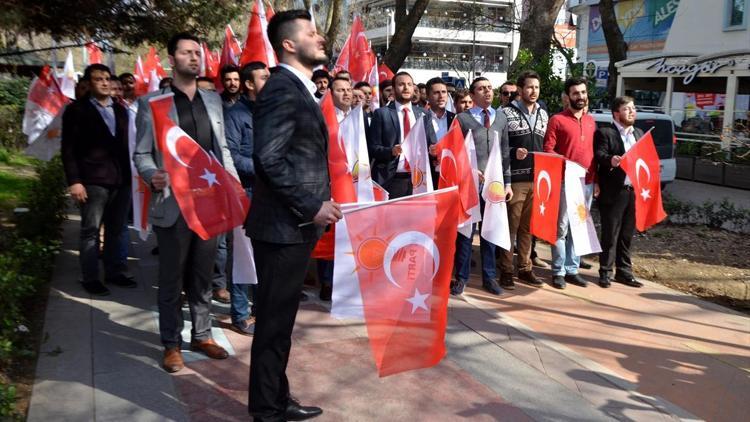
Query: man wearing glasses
508, 93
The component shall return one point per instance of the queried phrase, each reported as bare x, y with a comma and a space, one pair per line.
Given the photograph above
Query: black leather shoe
491, 286
558, 282
122, 280
604, 281
576, 279
297, 412
585, 265
95, 288
326, 292
629, 281
506, 281
529, 278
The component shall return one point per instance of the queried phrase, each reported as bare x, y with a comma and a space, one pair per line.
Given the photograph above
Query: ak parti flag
641, 164
44, 102
257, 45
495, 228
456, 170
402, 252
211, 200
548, 170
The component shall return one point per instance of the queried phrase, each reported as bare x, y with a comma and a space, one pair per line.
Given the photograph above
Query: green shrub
13, 92
46, 202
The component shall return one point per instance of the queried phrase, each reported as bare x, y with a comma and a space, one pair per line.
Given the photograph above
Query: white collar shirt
401, 168
627, 134
309, 84
478, 115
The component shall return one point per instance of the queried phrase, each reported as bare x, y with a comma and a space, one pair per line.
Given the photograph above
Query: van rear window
663, 130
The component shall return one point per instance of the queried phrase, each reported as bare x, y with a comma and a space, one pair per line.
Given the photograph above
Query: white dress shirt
341, 114
309, 84
440, 124
401, 168
628, 139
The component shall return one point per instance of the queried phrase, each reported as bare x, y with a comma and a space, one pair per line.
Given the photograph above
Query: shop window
735, 15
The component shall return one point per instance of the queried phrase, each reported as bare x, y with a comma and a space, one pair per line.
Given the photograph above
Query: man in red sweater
571, 134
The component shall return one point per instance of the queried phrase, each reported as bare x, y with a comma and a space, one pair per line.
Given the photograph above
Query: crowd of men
267, 129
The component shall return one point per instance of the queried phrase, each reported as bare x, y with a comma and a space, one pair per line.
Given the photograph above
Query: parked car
663, 134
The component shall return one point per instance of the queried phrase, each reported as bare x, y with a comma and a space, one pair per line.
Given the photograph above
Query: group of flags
393, 259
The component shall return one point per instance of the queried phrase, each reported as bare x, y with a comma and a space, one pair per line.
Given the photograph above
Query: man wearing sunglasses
508, 93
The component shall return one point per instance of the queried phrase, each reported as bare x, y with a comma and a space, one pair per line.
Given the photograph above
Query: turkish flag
230, 55
141, 77
257, 45
456, 170
209, 66
384, 72
641, 164
548, 170
153, 62
403, 253
356, 56
211, 200
94, 53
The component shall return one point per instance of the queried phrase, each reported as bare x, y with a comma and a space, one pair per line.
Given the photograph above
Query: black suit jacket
291, 162
91, 155
607, 143
385, 133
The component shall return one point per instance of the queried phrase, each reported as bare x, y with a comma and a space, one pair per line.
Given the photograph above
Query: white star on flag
541, 208
418, 301
646, 194
209, 177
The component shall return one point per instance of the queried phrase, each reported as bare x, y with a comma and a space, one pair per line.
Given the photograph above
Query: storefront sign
689, 70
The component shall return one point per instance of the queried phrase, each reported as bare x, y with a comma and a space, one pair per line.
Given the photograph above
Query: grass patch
12, 189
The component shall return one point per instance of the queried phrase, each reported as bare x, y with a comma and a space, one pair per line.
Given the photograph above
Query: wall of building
699, 28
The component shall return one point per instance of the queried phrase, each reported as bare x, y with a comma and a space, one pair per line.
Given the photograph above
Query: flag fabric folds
44, 102
401, 257
456, 170
257, 45
548, 170
243, 262
495, 227
416, 155
68, 78
582, 227
211, 200
641, 164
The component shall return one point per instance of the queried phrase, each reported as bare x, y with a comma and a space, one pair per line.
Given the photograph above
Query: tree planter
708, 172
685, 169
737, 176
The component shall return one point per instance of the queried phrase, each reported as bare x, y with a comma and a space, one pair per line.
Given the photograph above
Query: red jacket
573, 139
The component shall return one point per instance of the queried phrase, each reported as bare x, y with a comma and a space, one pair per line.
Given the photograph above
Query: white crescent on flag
409, 238
639, 163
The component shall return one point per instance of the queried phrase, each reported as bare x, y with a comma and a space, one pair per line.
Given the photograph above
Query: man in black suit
440, 118
616, 197
388, 130
97, 168
291, 206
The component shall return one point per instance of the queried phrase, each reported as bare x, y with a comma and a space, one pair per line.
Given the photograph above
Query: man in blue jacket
239, 133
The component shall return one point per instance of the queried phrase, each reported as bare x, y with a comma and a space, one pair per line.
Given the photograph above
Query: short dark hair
360, 84
573, 81
619, 102
461, 93
507, 83
126, 75
434, 81
337, 78
527, 74
228, 69
385, 84
320, 73
95, 67
281, 27
165, 82
421, 85
475, 82
114, 78
176, 38
401, 73
246, 73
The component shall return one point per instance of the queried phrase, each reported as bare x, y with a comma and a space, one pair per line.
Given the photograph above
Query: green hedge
13, 92
26, 264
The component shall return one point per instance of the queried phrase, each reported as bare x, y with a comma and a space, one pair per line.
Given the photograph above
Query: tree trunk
538, 28
333, 25
616, 45
400, 45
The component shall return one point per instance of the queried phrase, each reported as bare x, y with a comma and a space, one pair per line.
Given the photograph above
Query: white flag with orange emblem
414, 149
581, 224
495, 222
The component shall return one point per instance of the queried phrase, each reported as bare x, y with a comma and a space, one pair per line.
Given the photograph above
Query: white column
668, 99
727, 131
620, 85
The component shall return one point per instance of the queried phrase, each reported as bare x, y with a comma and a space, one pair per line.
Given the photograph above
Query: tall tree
406, 23
616, 45
537, 28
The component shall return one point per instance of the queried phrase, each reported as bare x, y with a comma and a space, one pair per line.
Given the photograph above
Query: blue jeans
239, 294
462, 261
108, 207
564, 258
220, 263
325, 272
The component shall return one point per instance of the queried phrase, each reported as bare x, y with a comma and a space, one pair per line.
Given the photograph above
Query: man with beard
570, 133
366, 91
527, 124
617, 199
185, 260
390, 127
291, 206
320, 78
230, 81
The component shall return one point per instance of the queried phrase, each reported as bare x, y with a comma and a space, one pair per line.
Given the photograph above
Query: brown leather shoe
221, 295
172, 359
209, 348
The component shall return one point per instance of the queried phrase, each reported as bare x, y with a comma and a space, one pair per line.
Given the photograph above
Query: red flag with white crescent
257, 45
384, 72
402, 254
548, 171
456, 169
356, 56
211, 200
641, 164
94, 53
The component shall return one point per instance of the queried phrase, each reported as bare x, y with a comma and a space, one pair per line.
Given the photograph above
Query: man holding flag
186, 258
291, 206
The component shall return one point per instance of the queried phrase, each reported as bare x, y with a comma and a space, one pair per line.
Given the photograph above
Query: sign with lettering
689, 70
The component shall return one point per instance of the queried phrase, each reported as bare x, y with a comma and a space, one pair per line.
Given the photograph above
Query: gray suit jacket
163, 212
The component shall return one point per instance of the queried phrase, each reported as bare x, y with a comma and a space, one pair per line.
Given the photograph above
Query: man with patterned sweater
527, 124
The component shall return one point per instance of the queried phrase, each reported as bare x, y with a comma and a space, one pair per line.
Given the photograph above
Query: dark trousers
220, 263
618, 227
108, 207
185, 263
399, 186
281, 270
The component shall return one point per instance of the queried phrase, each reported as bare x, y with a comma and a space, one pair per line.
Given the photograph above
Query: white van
663, 134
